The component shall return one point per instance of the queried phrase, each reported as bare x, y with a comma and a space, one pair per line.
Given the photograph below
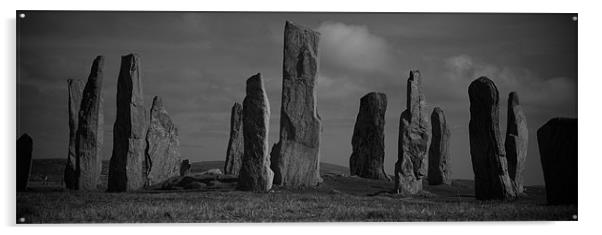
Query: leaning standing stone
163, 159
486, 148
236, 146
255, 173
517, 137
557, 141
126, 166
414, 140
24, 149
296, 157
75, 88
368, 142
89, 136
439, 171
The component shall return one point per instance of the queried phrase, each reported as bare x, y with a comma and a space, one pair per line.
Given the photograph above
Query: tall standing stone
75, 88
163, 159
255, 173
486, 148
24, 149
517, 137
236, 146
558, 145
89, 136
414, 139
296, 157
439, 170
127, 162
368, 142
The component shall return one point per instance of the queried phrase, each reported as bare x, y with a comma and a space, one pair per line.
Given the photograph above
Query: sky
198, 62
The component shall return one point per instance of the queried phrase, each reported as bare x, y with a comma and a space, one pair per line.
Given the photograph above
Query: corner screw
22, 15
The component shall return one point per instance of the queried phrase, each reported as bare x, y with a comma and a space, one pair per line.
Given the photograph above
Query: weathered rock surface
439, 167
557, 141
89, 136
236, 146
517, 140
24, 150
127, 162
414, 139
486, 149
296, 157
207, 181
368, 141
185, 168
255, 173
163, 159
75, 88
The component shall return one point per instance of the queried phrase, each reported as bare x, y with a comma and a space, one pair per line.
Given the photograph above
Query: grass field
338, 198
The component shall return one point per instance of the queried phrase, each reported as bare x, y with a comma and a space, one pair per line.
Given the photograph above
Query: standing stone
163, 159
439, 171
255, 173
24, 149
236, 143
486, 149
127, 162
414, 140
75, 88
296, 157
185, 168
557, 141
517, 137
368, 140
89, 136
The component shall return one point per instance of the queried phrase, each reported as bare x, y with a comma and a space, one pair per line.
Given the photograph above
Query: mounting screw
22, 15
574, 18
22, 220
574, 217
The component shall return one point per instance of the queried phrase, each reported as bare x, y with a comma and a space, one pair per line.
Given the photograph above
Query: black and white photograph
151, 116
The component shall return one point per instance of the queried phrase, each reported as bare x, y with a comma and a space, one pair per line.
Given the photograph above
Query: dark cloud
198, 64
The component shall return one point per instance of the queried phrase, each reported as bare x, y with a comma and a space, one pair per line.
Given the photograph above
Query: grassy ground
338, 198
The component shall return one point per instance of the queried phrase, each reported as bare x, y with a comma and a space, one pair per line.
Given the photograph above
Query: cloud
353, 46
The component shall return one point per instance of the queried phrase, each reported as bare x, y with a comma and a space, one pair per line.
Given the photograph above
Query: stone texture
296, 157
163, 159
236, 146
486, 148
517, 140
557, 141
439, 167
368, 142
89, 136
185, 168
414, 139
127, 162
255, 173
24, 149
75, 88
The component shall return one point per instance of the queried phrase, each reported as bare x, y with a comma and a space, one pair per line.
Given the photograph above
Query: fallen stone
368, 142
486, 148
296, 157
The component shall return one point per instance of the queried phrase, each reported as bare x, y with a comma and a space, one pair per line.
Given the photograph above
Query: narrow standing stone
127, 162
89, 136
517, 137
414, 140
163, 159
439, 170
558, 146
236, 146
486, 148
185, 168
255, 173
75, 88
368, 142
24, 149
296, 157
